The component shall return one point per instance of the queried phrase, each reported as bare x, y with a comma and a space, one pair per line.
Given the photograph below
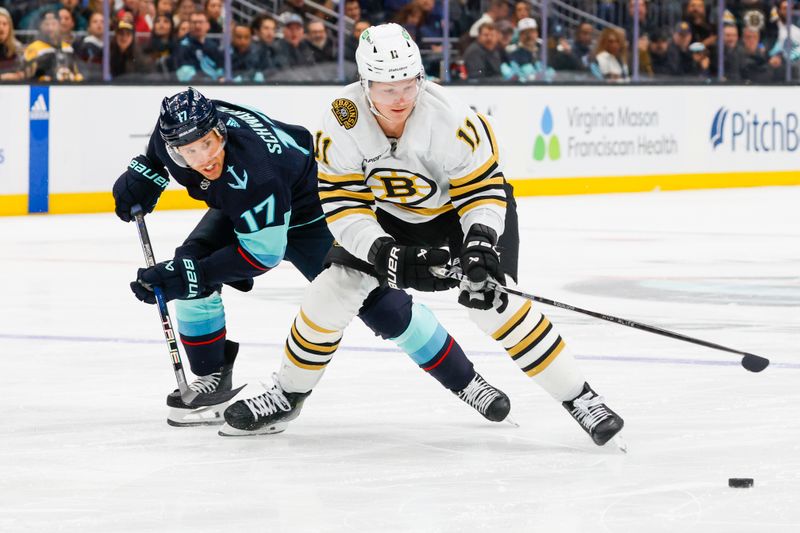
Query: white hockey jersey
446, 159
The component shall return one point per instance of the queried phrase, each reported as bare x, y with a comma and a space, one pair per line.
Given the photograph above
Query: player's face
394, 100
205, 155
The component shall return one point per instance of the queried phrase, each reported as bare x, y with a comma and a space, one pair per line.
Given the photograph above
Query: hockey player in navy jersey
259, 177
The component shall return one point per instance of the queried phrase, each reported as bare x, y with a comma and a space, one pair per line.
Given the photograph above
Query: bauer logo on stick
345, 112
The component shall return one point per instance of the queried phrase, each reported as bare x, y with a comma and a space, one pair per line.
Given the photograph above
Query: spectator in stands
181, 30
498, 10
611, 56
67, 23
294, 7
679, 57
559, 50
732, 52
197, 57
264, 29
351, 41
11, 67
89, 50
701, 62
523, 60
657, 49
702, 29
166, 7
136, 14
161, 44
321, 45
582, 43
49, 58
184, 11
756, 65
352, 10
776, 31
294, 47
79, 20
647, 23
245, 60
482, 58
214, 14
125, 57
411, 17
522, 10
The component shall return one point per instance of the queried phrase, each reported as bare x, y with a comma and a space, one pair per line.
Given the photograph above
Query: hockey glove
140, 184
480, 263
200, 249
408, 267
180, 278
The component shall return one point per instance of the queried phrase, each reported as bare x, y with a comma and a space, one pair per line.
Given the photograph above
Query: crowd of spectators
181, 40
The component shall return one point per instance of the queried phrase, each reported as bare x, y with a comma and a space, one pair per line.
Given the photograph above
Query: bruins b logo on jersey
345, 111
400, 186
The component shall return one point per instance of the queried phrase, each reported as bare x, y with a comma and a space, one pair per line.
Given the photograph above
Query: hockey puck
740, 482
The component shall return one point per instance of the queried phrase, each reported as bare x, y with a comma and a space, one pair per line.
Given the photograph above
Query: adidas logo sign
232, 123
39, 109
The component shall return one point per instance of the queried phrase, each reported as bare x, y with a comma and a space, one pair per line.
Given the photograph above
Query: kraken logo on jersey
346, 112
400, 186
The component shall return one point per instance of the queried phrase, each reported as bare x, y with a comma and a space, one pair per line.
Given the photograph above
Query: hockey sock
435, 351
309, 348
201, 325
535, 346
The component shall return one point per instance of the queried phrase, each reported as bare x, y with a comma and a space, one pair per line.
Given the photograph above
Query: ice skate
182, 415
267, 413
489, 401
590, 411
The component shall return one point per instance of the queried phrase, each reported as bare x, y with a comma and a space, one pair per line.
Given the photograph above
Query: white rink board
14, 134
602, 131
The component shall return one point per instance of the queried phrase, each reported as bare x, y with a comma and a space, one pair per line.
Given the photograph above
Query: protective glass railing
462, 41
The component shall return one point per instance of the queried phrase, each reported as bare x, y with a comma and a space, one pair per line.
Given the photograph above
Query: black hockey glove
408, 267
140, 184
480, 263
200, 249
180, 278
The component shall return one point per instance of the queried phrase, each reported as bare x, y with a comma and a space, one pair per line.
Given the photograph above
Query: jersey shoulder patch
346, 112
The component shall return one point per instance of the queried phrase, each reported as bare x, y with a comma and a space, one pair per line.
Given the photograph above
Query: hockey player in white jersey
402, 166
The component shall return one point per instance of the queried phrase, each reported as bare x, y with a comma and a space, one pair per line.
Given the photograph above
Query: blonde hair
11, 42
602, 43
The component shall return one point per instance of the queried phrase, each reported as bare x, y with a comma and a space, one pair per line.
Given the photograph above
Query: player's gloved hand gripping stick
751, 362
190, 397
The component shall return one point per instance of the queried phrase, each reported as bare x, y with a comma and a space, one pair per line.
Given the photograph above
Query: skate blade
511, 421
204, 416
228, 431
620, 443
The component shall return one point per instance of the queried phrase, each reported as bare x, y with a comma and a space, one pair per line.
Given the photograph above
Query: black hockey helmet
188, 116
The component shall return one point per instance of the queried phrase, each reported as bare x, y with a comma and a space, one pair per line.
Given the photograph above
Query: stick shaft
166, 322
752, 362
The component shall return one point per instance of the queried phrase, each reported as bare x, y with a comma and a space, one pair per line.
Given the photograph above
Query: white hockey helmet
387, 53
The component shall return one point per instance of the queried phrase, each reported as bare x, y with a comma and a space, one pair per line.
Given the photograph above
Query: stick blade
754, 363
214, 398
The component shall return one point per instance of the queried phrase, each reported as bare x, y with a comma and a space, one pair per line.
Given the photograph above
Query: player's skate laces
492, 403
206, 384
594, 416
268, 412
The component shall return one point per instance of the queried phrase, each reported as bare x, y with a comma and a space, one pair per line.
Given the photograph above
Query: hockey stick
190, 397
751, 362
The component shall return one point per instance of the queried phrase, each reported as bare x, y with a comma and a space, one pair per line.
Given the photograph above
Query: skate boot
492, 403
267, 413
590, 411
182, 415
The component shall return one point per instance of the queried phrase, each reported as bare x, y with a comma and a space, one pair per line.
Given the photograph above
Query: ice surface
382, 447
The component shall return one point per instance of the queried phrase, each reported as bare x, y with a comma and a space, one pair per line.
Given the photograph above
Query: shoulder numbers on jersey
471, 138
321, 145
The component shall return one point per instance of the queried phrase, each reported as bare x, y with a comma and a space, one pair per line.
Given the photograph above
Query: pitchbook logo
751, 131
546, 145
